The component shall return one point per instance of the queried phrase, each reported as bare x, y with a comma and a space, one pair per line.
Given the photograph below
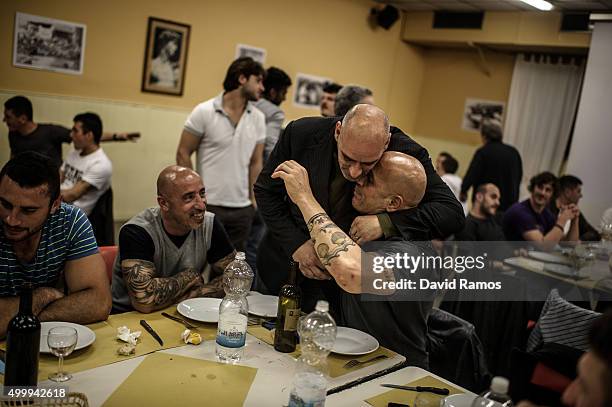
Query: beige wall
322, 37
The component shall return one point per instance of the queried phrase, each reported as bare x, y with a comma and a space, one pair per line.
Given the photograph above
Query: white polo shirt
225, 150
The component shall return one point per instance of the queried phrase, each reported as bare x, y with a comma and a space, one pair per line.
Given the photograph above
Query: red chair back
108, 254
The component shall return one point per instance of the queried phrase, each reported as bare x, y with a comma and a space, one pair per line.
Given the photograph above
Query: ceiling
498, 5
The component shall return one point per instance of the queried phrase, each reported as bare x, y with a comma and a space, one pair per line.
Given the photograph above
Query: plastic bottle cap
322, 306
500, 385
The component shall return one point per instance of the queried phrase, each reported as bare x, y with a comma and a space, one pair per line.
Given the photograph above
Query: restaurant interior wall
329, 38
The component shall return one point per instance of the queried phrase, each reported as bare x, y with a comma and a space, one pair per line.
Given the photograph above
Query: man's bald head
367, 123
403, 175
171, 176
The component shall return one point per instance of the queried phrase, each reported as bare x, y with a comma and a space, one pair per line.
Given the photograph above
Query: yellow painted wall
328, 38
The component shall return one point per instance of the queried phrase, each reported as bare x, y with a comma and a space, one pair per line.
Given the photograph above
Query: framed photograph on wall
308, 90
165, 57
48, 44
475, 110
258, 54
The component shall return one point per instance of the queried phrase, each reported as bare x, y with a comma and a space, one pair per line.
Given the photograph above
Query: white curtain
541, 108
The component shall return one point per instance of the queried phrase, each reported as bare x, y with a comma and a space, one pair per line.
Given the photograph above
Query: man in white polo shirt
229, 133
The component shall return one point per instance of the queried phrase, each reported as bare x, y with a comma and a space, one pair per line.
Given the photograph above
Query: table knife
435, 390
150, 330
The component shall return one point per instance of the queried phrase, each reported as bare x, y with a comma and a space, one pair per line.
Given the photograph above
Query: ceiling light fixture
539, 4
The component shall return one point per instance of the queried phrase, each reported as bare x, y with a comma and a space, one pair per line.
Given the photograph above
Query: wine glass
61, 340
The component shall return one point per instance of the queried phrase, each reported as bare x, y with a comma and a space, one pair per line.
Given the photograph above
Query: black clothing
311, 142
478, 230
136, 243
499, 164
586, 232
47, 139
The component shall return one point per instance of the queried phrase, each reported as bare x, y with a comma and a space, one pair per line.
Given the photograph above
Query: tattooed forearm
151, 292
340, 242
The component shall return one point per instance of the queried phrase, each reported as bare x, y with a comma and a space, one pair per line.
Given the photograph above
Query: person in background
86, 172
49, 244
446, 167
569, 192
328, 99
163, 251
531, 220
47, 139
494, 162
351, 95
229, 134
484, 222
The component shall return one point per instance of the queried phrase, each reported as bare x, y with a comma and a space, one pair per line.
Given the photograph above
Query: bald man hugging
397, 182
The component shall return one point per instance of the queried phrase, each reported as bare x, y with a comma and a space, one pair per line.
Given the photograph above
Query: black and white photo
258, 54
165, 57
308, 90
477, 109
49, 44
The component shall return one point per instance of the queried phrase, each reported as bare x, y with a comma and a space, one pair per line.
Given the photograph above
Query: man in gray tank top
163, 251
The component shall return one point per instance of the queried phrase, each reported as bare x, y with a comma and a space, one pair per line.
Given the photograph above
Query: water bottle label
291, 319
231, 331
296, 401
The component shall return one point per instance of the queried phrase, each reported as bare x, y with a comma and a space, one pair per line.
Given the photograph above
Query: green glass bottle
289, 307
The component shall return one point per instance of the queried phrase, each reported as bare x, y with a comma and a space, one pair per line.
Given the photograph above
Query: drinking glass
61, 340
425, 399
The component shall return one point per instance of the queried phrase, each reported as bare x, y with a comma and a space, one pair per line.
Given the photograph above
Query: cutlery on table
179, 320
354, 362
435, 390
150, 330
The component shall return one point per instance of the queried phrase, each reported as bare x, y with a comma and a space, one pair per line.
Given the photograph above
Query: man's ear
337, 132
56, 204
162, 202
387, 143
395, 203
242, 79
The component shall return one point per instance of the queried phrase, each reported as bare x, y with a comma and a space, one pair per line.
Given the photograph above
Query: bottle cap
322, 306
500, 385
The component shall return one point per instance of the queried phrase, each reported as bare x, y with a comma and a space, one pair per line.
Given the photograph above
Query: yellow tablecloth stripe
407, 396
335, 362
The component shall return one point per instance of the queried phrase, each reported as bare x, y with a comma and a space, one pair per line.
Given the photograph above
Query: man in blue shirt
48, 244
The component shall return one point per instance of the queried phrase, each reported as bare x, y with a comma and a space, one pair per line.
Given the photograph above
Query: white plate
263, 305
85, 335
565, 271
549, 257
200, 309
351, 341
459, 400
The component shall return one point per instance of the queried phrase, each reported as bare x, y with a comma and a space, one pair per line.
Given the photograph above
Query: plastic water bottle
496, 396
317, 336
234, 310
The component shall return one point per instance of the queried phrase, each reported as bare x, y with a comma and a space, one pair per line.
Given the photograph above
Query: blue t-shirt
66, 235
521, 218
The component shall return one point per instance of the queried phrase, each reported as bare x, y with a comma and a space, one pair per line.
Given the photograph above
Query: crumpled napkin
191, 337
124, 334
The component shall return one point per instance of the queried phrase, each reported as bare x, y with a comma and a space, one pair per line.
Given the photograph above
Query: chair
109, 253
102, 220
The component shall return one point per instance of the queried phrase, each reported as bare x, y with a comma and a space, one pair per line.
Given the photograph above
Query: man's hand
296, 180
310, 265
566, 212
365, 229
126, 136
42, 297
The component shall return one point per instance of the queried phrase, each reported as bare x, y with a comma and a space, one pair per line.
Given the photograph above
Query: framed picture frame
48, 44
244, 50
308, 90
165, 57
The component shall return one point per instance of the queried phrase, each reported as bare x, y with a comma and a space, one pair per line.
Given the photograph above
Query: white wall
591, 152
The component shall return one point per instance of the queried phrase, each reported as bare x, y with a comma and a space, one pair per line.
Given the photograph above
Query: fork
354, 362
181, 320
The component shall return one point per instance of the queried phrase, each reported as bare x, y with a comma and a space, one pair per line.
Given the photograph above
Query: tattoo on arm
338, 242
146, 289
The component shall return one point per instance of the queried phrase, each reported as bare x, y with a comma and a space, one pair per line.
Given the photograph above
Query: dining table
176, 373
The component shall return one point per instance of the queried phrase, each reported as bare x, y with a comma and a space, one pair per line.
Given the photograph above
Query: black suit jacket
310, 141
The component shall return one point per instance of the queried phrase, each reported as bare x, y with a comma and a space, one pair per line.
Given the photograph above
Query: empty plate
200, 309
85, 335
549, 257
263, 305
351, 341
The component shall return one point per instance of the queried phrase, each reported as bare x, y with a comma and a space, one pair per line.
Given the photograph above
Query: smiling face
541, 195
183, 201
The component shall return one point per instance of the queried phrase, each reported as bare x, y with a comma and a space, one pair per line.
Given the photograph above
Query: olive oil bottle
288, 314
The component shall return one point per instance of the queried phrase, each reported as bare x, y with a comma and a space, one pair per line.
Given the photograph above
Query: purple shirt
521, 218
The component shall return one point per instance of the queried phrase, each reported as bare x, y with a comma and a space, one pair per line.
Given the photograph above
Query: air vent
449, 19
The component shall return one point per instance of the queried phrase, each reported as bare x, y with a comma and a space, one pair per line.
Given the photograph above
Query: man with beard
328, 99
483, 223
229, 134
49, 245
163, 251
531, 220
397, 182
570, 192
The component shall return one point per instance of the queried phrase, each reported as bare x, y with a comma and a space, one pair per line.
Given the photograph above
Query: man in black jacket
337, 155
497, 163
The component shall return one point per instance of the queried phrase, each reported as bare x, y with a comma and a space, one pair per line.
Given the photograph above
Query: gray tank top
168, 259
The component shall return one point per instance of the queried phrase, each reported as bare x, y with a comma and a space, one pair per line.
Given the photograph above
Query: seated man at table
48, 244
397, 182
531, 220
483, 223
163, 251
